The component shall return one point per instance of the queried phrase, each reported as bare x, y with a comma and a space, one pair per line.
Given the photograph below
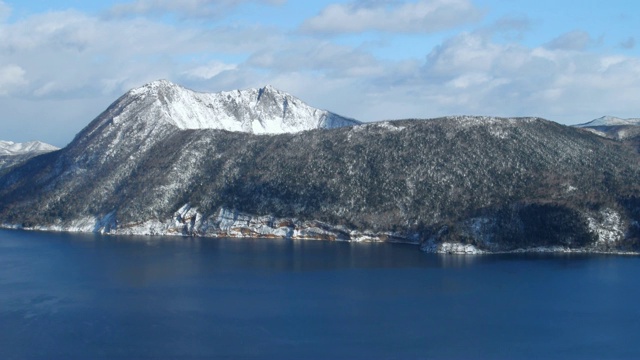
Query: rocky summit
261, 163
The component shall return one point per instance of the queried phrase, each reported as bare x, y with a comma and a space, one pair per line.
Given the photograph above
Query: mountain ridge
462, 184
626, 130
12, 153
265, 110
12, 148
456, 184
610, 121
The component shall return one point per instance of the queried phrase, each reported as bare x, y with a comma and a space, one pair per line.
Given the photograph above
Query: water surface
87, 296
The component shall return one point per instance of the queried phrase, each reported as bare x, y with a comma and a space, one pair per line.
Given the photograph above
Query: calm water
84, 296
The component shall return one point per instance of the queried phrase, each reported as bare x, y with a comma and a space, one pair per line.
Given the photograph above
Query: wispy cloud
628, 44
5, 11
209, 70
392, 16
512, 28
575, 40
12, 78
310, 55
184, 8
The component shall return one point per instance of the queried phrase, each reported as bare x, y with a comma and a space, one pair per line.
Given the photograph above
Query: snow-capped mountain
610, 121
258, 111
145, 116
615, 128
31, 147
12, 153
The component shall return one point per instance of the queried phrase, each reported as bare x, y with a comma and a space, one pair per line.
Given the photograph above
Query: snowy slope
138, 121
610, 121
458, 184
156, 162
12, 153
258, 111
614, 128
36, 147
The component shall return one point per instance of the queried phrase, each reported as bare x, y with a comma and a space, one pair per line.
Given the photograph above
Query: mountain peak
161, 83
154, 87
265, 110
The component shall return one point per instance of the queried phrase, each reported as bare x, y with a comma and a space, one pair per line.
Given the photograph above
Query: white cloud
393, 16
190, 8
46, 89
209, 71
307, 55
472, 74
12, 77
71, 54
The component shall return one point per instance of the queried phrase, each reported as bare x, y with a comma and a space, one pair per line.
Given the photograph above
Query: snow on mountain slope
458, 184
12, 153
258, 111
610, 121
615, 128
133, 130
11, 148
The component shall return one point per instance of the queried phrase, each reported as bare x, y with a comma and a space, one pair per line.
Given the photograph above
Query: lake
69, 296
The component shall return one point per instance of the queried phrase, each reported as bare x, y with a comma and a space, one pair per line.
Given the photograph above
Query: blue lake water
86, 296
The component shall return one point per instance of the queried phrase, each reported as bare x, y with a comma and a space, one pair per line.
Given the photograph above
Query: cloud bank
392, 16
184, 8
58, 70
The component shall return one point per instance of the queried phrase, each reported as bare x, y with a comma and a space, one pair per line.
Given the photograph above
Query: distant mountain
14, 153
625, 130
31, 147
610, 121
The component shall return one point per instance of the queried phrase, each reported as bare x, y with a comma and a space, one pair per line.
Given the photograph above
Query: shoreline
429, 248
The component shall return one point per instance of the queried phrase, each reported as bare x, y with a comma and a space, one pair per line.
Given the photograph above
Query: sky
62, 62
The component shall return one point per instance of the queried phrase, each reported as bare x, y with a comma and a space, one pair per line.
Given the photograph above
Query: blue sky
63, 62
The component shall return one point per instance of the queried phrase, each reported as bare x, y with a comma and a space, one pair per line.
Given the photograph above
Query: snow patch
387, 125
450, 248
607, 226
470, 121
570, 188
